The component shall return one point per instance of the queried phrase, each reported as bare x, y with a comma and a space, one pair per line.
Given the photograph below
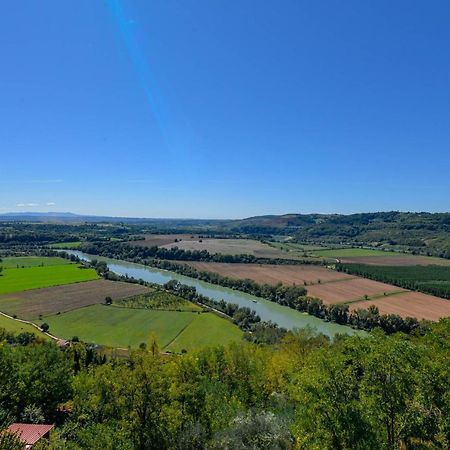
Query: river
282, 315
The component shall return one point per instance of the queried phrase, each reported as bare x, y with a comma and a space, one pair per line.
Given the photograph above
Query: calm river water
267, 310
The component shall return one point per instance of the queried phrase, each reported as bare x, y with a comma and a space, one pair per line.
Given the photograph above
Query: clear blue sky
224, 108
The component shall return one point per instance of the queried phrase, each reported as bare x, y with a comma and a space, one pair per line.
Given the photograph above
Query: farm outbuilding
29, 433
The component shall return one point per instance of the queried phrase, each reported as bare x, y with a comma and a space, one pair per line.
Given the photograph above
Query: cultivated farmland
350, 290
409, 304
122, 327
273, 274
230, 247
349, 253
16, 262
339, 287
17, 280
158, 240
14, 326
434, 280
31, 304
394, 259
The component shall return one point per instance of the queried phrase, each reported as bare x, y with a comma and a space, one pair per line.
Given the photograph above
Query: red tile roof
29, 433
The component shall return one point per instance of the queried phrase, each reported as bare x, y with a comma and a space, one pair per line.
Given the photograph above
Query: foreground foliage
383, 392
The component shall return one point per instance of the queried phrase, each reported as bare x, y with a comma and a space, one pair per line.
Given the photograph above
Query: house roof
29, 433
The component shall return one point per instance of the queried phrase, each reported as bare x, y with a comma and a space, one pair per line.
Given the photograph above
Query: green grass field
121, 327
206, 330
32, 261
17, 280
296, 247
14, 326
74, 244
351, 252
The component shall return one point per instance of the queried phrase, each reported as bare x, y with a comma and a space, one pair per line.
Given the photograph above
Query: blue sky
224, 108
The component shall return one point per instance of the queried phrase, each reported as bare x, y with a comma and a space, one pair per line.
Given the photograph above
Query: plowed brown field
350, 290
30, 304
162, 239
409, 304
230, 247
273, 274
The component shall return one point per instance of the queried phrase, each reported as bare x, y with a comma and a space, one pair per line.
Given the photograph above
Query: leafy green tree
10, 441
329, 410
32, 414
389, 387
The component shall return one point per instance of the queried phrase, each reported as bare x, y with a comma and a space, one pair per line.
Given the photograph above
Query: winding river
267, 310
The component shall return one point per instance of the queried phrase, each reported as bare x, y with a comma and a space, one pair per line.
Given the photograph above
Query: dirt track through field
273, 274
409, 304
30, 304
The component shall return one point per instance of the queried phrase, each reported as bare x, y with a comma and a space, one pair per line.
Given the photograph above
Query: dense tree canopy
305, 392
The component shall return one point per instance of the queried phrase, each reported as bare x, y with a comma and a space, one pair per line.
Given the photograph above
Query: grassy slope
207, 330
121, 327
16, 280
17, 327
32, 261
296, 247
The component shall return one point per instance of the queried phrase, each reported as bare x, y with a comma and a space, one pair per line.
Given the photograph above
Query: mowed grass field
294, 249
14, 262
29, 305
17, 280
207, 329
273, 274
122, 327
14, 326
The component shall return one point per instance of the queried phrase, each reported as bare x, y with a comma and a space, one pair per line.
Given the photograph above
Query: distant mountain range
423, 232
268, 222
68, 217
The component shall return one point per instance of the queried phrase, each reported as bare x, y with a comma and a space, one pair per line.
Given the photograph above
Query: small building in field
29, 433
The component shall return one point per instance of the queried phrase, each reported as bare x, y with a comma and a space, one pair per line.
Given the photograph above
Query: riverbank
268, 311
